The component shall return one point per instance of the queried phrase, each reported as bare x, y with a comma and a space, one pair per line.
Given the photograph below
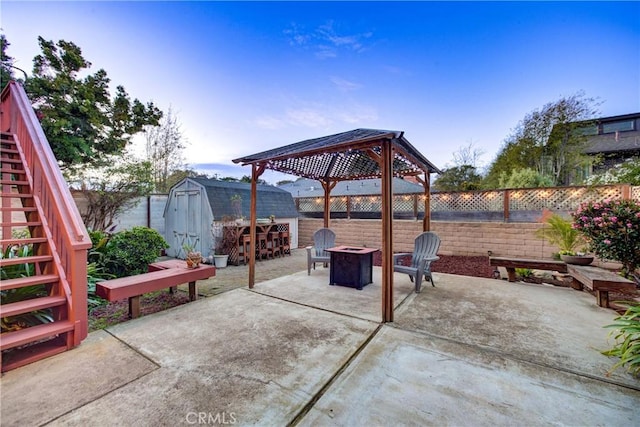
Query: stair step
18, 209
23, 356
34, 333
13, 171
26, 241
26, 306
20, 224
10, 194
4, 150
25, 260
13, 182
8, 160
21, 282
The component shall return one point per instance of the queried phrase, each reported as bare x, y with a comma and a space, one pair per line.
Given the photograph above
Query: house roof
270, 200
343, 156
612, 143
623, 141
305, 187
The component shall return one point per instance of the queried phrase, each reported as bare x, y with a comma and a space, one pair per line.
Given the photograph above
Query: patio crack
314, 399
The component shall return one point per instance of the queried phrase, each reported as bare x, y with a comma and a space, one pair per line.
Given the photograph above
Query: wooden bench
599, 280
535, 264
133, 287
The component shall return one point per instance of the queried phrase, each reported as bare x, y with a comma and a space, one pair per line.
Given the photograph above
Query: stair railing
69, 235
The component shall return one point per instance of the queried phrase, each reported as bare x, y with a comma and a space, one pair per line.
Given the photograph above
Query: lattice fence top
561, 198
468, 201
530, 199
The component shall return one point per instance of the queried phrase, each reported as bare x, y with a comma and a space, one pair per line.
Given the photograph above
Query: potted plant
220, 255
560, 232
192, 257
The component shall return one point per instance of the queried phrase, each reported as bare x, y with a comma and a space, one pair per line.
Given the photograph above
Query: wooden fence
508, 205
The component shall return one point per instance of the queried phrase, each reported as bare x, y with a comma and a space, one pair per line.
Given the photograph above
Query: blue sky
244, 77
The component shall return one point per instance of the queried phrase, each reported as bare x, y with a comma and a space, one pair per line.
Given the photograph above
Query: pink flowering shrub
613, 230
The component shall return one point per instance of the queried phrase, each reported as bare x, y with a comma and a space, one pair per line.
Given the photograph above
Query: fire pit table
351, 266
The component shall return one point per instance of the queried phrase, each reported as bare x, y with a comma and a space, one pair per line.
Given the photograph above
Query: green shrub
129, 252
8, 296
627, 336
95, 274
524, 272
560, 232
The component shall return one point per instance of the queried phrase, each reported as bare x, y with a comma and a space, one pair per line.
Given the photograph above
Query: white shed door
187, 221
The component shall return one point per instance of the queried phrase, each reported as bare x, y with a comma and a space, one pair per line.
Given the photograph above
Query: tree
458, 178
83, 124
113, 189
6, 62
468, 155
523, 178
463, 176
165, 144
547, 141
247, 178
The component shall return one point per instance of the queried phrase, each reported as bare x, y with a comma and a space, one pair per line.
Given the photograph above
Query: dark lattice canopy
344, 156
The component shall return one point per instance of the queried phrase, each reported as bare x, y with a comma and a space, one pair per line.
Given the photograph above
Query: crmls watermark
211, 418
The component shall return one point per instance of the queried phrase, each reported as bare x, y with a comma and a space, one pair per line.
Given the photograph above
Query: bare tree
164, 150
468, 155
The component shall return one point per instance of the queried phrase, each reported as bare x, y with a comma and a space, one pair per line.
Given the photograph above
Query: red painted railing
69, 238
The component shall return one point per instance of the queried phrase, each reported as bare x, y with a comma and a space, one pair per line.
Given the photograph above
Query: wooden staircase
43, 248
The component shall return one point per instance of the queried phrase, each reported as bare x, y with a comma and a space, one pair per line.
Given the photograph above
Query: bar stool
273, 244
245, 248
261, 248
285, 247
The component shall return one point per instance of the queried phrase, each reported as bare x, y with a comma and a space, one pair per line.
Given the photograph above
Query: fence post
348, 207
626, 191
505, 209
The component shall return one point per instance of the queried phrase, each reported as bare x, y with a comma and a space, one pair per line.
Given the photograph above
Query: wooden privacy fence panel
509, 205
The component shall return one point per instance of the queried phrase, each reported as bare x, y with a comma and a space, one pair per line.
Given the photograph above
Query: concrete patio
295, 350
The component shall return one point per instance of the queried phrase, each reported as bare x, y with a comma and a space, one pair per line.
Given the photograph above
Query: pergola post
386, 166
327, 186
256, 171
426, 184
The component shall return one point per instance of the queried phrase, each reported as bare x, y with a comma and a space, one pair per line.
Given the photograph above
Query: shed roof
305, 187
343, 156
270, 200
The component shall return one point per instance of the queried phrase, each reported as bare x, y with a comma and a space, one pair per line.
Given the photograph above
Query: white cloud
345, 85
326, 41
308, 117
269, 122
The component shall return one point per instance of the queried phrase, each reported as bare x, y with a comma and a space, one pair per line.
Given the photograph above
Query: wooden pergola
352, 155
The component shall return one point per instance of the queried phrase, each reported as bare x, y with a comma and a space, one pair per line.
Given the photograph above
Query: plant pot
193, 260
577, 259
220, 260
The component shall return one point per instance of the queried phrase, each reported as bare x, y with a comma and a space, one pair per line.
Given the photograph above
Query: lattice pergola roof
343, 156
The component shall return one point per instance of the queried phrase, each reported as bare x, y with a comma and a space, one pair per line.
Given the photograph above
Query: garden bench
599, 280
535, 264
133, 287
